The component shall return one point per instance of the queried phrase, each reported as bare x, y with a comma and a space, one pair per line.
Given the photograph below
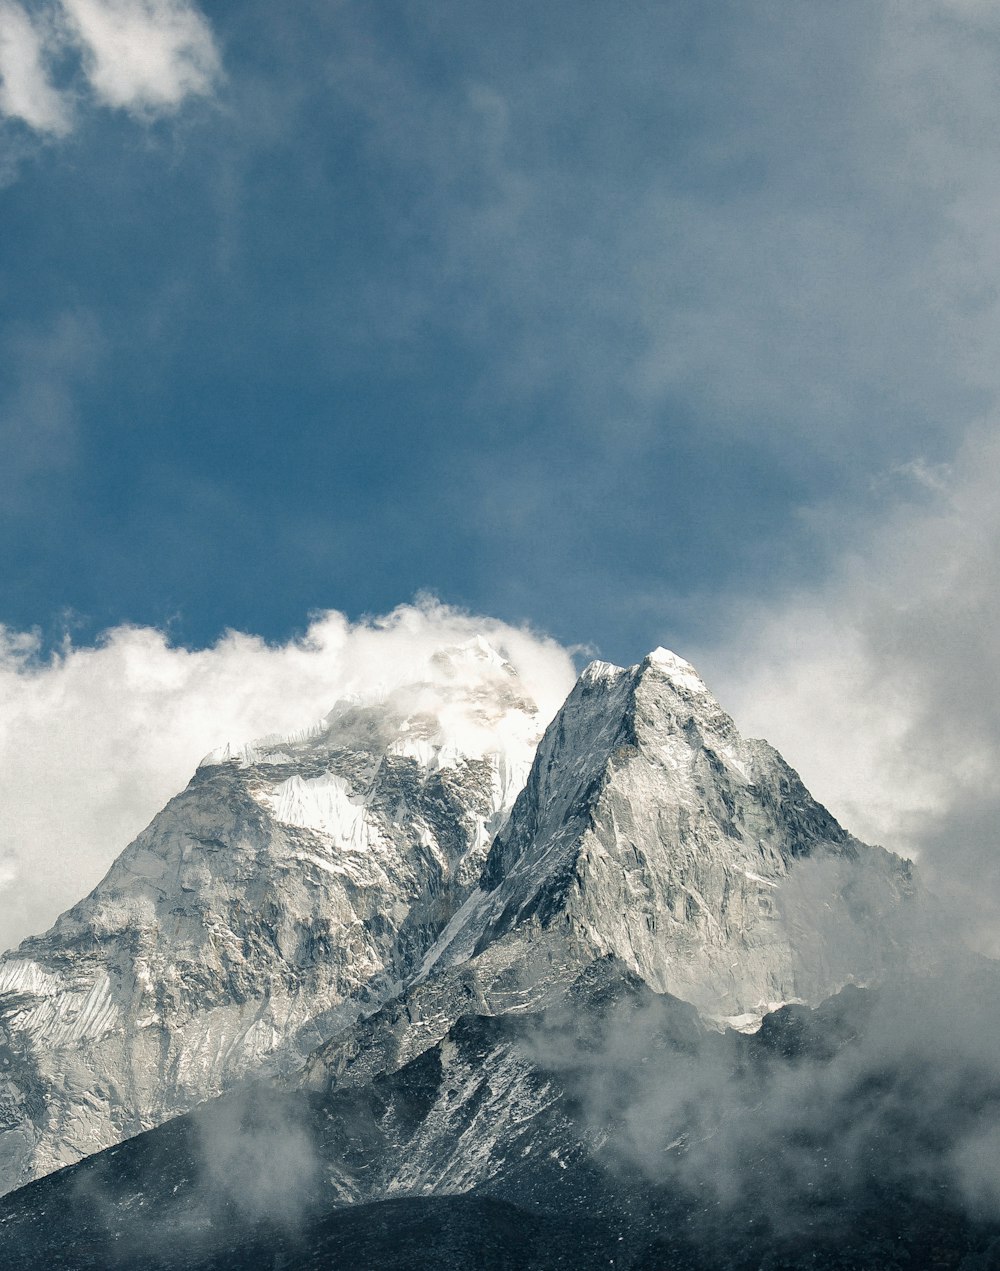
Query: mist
822, 1127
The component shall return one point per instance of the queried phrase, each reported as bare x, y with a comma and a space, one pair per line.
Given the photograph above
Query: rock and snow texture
291, 884
651, 830
368, 866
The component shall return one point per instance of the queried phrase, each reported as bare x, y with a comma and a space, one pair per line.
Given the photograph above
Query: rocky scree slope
293, 883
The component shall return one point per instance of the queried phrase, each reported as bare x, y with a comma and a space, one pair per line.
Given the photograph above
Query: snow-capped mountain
651, 830
294, 882
353, 891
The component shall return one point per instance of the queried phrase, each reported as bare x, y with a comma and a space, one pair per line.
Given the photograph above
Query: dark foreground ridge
611, 1131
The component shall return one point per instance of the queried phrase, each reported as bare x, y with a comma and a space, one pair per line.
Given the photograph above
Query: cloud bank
141, 56
879, 684
93, 741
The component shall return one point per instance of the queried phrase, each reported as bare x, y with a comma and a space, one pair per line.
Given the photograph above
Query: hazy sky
658, 323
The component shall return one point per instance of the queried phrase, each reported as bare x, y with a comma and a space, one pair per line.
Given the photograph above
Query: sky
626, 325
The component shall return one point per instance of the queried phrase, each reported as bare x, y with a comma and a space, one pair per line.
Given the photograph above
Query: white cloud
25, 91
94, 741
143, 56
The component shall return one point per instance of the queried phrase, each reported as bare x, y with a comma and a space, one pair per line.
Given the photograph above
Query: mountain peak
660, 662
477, 652
295, 878
464, 699
305, 879
650, 830
680, 672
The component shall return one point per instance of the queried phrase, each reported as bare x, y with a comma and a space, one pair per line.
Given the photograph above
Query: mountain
341, 899
293, 883
651, 830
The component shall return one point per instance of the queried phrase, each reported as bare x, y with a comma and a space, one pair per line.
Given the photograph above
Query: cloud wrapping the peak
95, 740
142, 56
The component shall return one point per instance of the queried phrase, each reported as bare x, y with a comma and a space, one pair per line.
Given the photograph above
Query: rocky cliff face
292, 884
352, 892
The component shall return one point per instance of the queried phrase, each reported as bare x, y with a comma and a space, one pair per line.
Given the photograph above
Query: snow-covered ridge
323, 803
680, 673
275, 747
18, 975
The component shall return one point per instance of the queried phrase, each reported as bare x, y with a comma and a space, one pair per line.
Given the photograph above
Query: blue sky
584, 314
657, 323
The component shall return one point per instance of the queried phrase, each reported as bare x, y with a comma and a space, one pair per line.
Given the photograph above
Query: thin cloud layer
893, 1099
880, 685
142, 56
94, 741
39, 416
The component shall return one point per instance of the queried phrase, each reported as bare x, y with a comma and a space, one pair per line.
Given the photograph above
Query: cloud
880, 683
884, 1100
142, 56
257, 1156
25, 90
93, 741
801, 244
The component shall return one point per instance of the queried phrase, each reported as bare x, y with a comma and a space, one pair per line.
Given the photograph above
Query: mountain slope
613, 1130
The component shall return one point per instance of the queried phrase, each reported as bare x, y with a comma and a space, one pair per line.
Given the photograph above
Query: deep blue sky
600, 316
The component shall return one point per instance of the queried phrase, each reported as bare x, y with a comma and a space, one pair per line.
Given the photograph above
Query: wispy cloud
893, 1095
142, 56
39, 417
879, 684
257, 1155
745, 246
